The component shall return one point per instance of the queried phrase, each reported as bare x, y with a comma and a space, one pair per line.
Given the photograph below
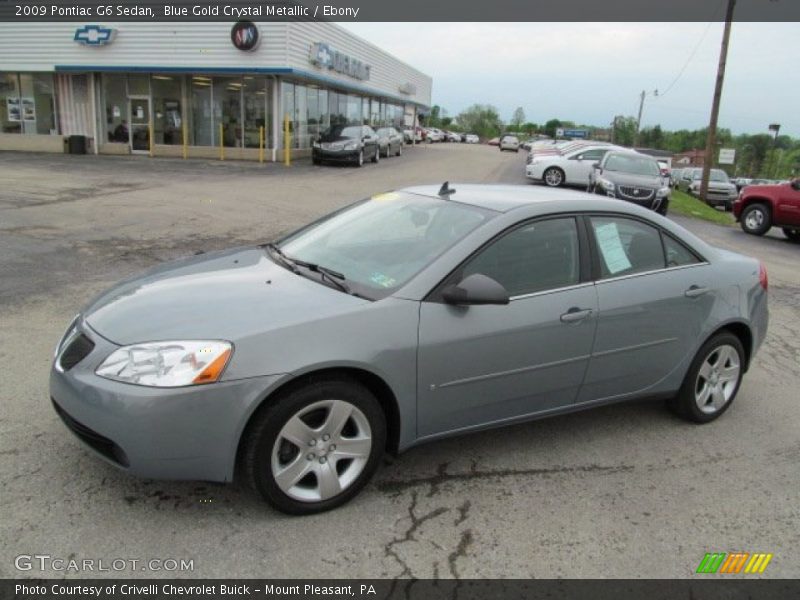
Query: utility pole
639, 119
711, 139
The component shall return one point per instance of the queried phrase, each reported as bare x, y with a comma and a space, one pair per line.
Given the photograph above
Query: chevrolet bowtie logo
94, 35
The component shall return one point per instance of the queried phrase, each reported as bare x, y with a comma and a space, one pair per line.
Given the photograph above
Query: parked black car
390, 141
346, 143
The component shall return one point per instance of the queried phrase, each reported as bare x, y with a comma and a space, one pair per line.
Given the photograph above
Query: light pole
775, 128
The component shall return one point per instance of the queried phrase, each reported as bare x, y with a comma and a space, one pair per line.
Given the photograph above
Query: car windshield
635, 165
716, 175
380, 243
341, 132
384, 131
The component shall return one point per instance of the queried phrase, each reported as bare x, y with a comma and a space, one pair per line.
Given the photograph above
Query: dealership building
195, 89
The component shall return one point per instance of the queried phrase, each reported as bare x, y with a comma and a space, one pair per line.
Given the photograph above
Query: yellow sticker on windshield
386, 196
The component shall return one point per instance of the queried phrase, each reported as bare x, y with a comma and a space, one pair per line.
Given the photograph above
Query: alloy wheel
755, 219
321, 450
717, 379
553, 177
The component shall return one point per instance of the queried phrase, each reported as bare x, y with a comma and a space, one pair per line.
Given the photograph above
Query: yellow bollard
261, 144
185, 147
287, 141
221, 145
150, 135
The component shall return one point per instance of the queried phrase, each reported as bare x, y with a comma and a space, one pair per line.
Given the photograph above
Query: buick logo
245, 36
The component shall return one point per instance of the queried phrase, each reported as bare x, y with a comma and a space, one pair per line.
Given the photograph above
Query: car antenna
446, 190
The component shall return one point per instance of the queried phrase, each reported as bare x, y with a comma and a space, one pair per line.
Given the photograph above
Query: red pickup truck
760, 207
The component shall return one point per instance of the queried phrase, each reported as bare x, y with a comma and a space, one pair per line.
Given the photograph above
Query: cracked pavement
620, 491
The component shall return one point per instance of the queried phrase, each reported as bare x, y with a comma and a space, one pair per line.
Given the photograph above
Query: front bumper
190, 433
335, 155
534, 171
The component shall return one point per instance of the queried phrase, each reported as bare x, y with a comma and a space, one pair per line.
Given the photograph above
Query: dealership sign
94, 35
245, 36
572, 133
327, 57
727, 156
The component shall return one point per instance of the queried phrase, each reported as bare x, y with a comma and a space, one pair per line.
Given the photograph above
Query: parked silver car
721, 192
401, 319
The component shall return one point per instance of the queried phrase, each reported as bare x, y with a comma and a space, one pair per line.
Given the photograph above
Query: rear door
653, 299
581, 164
486, 364
788, 206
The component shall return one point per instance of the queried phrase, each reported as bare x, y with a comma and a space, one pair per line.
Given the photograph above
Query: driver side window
536, 257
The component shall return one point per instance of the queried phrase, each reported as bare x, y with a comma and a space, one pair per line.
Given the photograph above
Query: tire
316, 161
377, 156
315, 478
400, 150
721, 359
360, 159
662, 210
553, 177
792, 234
756, 219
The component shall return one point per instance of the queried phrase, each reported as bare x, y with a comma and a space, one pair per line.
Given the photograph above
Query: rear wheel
792, 234
756, 219
712, 381
315, 447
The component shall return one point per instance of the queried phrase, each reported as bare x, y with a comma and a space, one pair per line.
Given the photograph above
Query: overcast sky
589, 72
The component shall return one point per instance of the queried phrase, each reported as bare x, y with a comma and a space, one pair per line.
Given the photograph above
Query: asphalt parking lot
622, 491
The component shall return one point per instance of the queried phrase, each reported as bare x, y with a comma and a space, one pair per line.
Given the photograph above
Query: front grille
103, 445
630, 192
76, 350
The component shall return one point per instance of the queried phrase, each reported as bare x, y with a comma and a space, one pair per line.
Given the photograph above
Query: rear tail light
762, 276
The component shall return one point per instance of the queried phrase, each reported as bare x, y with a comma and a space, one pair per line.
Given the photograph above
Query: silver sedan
404, 318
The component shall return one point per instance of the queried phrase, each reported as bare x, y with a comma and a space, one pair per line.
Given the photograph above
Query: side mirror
477, 289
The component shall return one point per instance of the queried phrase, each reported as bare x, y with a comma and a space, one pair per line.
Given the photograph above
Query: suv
721, 192
633, 177
760, 207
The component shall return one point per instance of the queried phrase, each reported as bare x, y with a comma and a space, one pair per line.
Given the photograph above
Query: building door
139, 119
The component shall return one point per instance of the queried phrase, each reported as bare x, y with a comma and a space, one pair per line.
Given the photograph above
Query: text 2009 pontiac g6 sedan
406, 317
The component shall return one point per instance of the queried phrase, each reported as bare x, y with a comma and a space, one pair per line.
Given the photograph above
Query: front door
139, 112
788, 206
488, 364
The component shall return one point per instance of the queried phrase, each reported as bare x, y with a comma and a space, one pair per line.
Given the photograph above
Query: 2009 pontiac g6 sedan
403, 318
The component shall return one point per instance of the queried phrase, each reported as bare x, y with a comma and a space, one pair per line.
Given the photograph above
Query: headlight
167, 364
607, 185
315, 145
664, 191
351, 146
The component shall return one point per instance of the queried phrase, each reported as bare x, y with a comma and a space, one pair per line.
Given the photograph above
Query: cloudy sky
589, 72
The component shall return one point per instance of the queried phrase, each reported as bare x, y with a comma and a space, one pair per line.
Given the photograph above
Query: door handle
575, 314
695, 291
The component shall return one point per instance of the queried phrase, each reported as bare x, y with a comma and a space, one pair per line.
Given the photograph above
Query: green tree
551, 126
517, 119
623, 130
482, 119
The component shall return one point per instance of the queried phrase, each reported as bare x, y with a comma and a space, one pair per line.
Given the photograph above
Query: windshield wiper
336, 278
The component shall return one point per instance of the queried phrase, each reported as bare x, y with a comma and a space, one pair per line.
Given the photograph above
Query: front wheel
554, 177
360, 159
377, 156
400, 150
756, 219
792, 234
712, 381
315, 447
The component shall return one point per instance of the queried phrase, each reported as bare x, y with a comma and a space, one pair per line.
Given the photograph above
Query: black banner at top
400, 10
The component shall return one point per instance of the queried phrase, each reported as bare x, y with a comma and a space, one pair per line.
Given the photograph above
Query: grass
689, 206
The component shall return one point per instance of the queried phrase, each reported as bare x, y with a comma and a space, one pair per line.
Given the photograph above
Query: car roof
499, 198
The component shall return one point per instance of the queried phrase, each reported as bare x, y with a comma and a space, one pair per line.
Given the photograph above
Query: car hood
223, 295
645, 181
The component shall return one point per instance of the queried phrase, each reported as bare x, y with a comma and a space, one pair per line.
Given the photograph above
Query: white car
434, 135
571, 167
472, 139
453, 137
509, 142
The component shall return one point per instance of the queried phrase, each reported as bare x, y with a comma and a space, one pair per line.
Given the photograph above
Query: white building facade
196, 89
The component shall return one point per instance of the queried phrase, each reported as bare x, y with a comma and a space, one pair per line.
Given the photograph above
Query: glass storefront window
228, 110
254, 94
313, 117
301, 137
37, 103
115, 98
202, 122
353, 110
138, 85
167, 109
10, 105
288, 108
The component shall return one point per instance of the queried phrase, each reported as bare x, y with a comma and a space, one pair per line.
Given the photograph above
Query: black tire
685, 404
752, 223
377, 156
316, 161
399, 150
360, 159
263, 432
662, 210
792, 234
556, 179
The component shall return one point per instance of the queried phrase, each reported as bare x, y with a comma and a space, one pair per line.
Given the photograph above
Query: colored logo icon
94, 35
734, 563
245, 36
